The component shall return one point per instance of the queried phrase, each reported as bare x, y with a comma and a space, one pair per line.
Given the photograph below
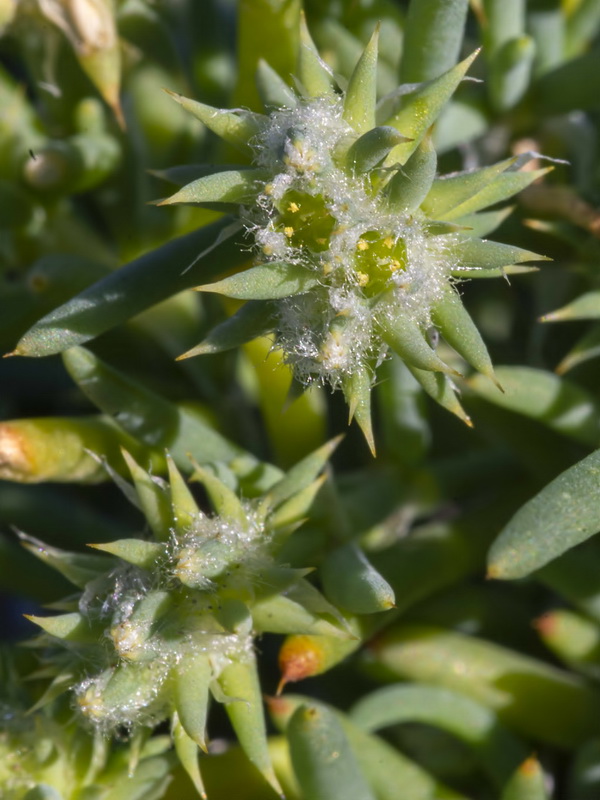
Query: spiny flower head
358, 246
164, 622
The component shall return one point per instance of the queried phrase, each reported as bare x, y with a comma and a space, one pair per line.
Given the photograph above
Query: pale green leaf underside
565, 513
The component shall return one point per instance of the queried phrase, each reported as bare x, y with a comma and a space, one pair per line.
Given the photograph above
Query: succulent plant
44, 755
357, 246
171, 619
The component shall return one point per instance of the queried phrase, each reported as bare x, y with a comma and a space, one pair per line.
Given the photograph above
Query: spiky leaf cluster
44, 755
358, 245
166, 621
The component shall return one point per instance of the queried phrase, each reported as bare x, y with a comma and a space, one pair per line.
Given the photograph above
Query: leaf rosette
359, 247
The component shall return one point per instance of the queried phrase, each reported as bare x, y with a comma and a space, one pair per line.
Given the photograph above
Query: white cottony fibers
371, 262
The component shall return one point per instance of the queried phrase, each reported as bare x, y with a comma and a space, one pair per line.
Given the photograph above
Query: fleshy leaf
253, 319
187, 752
302, 474
406, 338
587, 306
361, 94
439, 387
192, 681
556, 402
236, 127
274, 91
135, 287
357, 391
265, 282
352, 583
528, 783
461, 716
410, 185
239, 681
139, 552
372, 147
461, 333
483, 254
421, 108
153, 497
233, 186
313, 73
565, 513
323, 761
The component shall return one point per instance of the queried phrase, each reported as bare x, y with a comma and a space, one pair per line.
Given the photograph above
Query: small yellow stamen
327, 267
268, 188
267, 249
293, 207
289, 232
362, 245
362, 278
395, 265
389, 242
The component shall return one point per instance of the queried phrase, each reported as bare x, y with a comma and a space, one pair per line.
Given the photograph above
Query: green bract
168, 620
358, 246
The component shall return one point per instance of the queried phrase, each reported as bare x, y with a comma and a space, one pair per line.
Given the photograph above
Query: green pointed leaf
439, 387
42, 792
135, 551
192, 680
233, 186
510, 72
302, 474
240, 680
313, 74
406, 338
352, 583
587, 306
587, 347
528, 783
78, 568
265, 282
459, 330
454, 196
484, 222
187, 753
565, 513
274, 91
433, 36
71, 627
372, 147
184, 507
253, 319
573, 638
361, 95
297, 506
154, 499
281, 614
135, 287
421, 108
411, 184
482, 254
357, 391
150, 418
236, 127
554, 401
224, 500
182, 174
499, 752
323, 761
